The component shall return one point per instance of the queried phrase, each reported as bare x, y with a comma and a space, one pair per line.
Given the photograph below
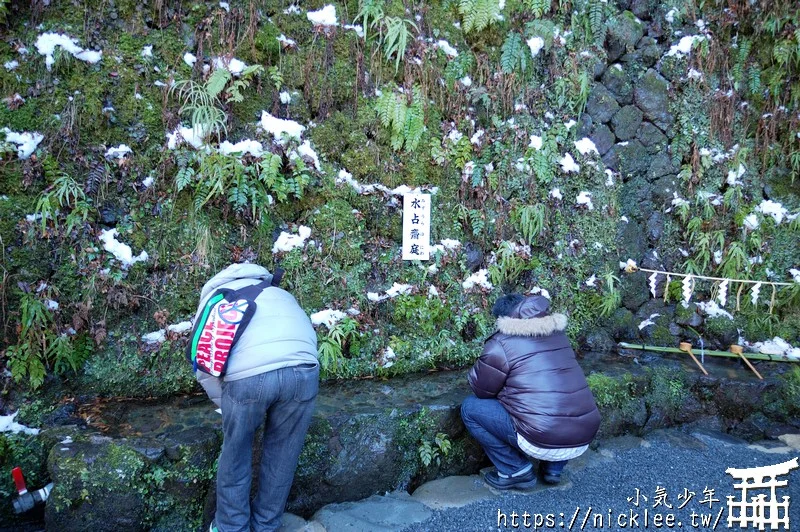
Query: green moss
611, 392
122, 369
667, 390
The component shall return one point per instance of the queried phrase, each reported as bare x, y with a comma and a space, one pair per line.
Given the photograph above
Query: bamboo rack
728, 354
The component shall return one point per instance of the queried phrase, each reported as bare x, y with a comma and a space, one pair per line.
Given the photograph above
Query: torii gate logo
759, 511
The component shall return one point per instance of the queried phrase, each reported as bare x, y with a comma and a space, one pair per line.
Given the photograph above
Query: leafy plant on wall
478, 14
405, 122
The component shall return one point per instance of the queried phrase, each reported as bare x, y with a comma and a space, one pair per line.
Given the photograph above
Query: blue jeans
490, 423
283, 400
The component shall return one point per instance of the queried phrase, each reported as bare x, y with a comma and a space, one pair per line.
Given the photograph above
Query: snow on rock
777, 346
536, 142
568, 164
47, 42
648, 321
155, 337
585, 146
556, 194
795, 275
713, 310
323, 17
253, 147
591, 281
684, 46
535, 44
277, 127
446, 48
479, 278
119, 152
11, 65
189, 59
122, 252
287, 242
26, 142
7, 424
328, 317
286, 98
387, 358
585, 198
226, 6
147, 51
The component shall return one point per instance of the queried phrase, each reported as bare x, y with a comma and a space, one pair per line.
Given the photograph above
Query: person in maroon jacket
531, 397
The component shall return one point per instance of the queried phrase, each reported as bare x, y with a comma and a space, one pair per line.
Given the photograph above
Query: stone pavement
466, 502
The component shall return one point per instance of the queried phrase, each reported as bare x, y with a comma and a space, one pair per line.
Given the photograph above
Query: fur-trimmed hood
543, 326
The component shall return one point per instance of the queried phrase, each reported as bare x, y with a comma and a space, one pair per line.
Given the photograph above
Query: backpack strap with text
221, 323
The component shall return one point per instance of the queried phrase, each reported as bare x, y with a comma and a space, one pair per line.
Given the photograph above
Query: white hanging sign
416, 226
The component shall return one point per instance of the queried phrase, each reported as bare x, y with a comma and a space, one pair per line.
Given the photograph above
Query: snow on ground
328, 316
253, 147
323, 17
287, 242
47, 42
119, 152
713, 310
155, 337
397, 289
480, 279
535, 44
777, 346
26, 142
585, 146
585, 198
446, 48
122, 252
568, 164
277, 127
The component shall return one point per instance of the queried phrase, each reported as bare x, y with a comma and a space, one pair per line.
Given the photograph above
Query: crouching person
272, 378
531, 397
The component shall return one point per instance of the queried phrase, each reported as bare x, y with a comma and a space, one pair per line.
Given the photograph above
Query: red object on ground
19, 480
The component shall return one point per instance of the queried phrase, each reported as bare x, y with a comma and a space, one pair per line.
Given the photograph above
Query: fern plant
395, 41
595, 10
611, 297
406, 123
530, 220
515, 54
202, 100
64, 192
478, 14
333, 345
370, 13
539, 8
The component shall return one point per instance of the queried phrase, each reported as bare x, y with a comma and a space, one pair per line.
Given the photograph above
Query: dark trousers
490, 423
283, 400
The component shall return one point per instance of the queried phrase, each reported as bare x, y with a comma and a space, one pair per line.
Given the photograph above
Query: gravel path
601, 488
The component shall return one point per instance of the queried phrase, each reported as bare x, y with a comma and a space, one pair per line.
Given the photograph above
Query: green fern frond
217, 81
514, 54
478, 14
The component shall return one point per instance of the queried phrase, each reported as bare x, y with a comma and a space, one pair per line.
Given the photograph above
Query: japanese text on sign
416, 226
